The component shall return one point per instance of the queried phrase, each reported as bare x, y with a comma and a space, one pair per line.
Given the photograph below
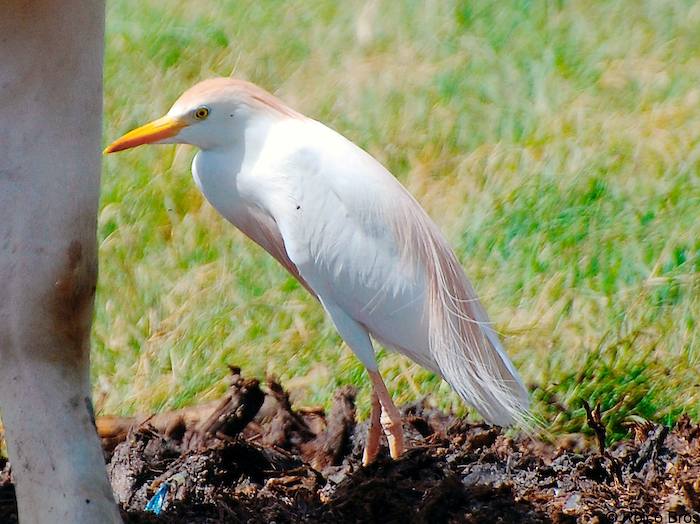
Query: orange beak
160, 129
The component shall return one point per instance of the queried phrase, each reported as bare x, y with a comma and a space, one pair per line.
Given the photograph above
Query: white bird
354, 237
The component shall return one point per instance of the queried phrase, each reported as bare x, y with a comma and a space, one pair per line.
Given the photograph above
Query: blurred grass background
556, 143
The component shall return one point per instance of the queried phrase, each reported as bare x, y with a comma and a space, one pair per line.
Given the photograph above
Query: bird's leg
390, 417
374, 432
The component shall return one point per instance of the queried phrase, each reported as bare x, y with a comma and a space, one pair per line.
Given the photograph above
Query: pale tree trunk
50, 126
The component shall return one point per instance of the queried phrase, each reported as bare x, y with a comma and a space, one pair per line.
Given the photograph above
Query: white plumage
348, 230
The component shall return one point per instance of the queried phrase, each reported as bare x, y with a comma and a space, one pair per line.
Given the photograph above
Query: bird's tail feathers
469, 353
472, 360
464, 346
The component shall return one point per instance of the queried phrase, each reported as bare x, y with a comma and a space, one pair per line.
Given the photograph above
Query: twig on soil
595, 422
282, 398
340, 425
232, 414
651, 447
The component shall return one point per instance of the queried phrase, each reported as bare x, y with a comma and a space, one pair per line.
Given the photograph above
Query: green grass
557, 144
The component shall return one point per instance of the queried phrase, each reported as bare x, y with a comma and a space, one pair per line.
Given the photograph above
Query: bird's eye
201, 113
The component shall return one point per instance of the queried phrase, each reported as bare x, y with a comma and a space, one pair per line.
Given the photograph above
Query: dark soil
255, 459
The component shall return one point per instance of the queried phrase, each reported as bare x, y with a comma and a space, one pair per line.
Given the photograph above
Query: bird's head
211, 114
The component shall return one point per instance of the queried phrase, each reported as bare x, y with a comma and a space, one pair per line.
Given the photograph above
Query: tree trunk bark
50, 127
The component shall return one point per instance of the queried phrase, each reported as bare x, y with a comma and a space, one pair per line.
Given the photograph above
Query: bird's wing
260, 227
262, 230
360, 240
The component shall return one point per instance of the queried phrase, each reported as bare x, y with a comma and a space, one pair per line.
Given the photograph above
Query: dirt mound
253, 458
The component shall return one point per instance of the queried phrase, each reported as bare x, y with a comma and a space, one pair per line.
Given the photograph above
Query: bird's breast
219, 177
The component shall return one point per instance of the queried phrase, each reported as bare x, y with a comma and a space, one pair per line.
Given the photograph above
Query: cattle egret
338, 221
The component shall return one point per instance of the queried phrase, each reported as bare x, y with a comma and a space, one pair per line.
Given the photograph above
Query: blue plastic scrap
155, 505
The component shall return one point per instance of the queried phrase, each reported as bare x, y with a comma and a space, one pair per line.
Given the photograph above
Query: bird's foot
394, 435
386, 416
393, 429
371, 450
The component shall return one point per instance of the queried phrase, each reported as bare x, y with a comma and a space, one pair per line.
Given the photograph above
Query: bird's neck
245, 146
226, 175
